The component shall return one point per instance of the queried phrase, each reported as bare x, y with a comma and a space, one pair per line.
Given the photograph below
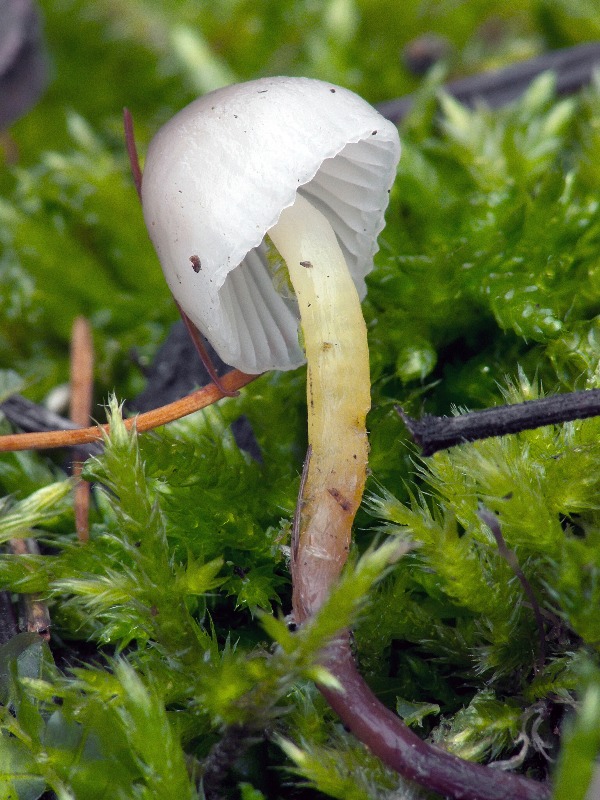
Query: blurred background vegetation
72, 231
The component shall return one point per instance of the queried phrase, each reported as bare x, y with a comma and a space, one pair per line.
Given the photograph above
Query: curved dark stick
397, 746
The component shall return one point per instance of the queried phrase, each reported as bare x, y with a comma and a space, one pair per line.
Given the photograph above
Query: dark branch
438, 433
33, 417
573, 66
397, 746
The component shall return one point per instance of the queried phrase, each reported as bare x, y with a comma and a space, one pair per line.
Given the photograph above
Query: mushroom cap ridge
216, 179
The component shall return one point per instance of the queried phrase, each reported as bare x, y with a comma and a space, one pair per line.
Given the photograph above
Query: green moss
167, 626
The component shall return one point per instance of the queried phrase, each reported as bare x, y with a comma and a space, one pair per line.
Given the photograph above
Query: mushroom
264, 201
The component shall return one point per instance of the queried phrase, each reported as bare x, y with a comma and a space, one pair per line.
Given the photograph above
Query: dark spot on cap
196, 265
373, 133
332, 91
306, 264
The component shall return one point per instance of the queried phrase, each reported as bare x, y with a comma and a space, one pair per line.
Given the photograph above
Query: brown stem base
397, 746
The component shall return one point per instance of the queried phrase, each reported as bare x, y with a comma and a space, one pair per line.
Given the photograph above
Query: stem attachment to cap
338, 394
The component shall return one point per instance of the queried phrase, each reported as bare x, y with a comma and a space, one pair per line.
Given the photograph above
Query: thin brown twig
82, 372
81, 502
196, 338
82, 386
134, 161
143, 422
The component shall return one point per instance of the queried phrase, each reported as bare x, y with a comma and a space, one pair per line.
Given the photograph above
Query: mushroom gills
267, 326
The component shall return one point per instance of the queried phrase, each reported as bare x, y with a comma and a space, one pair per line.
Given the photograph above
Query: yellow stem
338, 394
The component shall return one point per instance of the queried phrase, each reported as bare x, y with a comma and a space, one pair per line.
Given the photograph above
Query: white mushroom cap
219, 174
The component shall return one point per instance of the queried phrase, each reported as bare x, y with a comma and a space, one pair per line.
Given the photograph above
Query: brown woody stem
397, 746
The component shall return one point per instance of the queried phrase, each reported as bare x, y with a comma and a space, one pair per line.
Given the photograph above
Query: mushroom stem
338, 394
